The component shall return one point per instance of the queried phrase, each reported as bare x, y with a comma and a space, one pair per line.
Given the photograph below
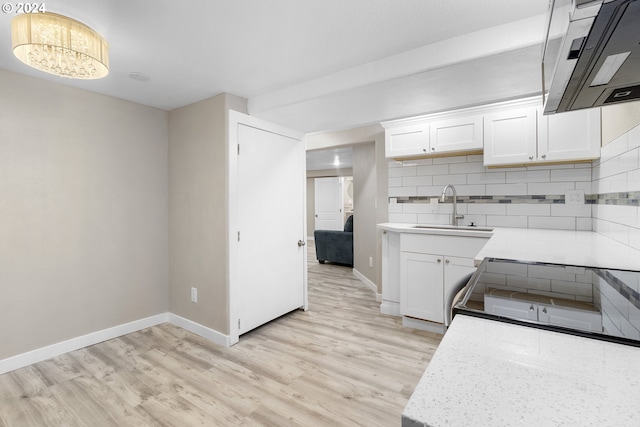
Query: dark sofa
335, 246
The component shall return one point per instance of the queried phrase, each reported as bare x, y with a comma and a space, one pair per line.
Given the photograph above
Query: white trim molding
368, 283
198, 329
44, 353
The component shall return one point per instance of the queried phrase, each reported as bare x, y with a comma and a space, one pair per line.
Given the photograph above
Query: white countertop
539, 245
561, 247
489, 373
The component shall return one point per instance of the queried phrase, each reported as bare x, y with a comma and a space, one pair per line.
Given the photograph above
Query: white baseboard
423, 325
44, 353
198, 329
391, 308
365, 280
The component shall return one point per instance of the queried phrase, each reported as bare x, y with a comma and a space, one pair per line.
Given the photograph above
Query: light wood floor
340, 363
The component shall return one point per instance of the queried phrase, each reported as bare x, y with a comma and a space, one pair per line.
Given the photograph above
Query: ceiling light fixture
59, 45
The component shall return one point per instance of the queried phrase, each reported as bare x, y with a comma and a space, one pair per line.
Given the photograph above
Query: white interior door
268, 259
329, 201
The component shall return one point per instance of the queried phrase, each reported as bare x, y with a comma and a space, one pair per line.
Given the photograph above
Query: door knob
301, 243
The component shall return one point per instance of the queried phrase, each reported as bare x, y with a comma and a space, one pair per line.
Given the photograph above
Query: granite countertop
488, 373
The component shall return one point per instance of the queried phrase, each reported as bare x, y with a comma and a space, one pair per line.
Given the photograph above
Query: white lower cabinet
422, 286
543, 313
419, 270
425, 279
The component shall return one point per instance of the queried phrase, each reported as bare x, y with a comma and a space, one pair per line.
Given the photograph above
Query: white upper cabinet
510, 136
409, 140
510, 133
459, 134
568, 136
524, 136
433, 135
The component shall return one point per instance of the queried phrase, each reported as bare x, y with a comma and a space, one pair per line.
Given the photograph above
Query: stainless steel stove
587, 301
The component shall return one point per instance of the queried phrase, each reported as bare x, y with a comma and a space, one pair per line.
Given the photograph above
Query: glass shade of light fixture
59, 45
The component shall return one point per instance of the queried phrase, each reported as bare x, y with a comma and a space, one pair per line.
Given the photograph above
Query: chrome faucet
455, 217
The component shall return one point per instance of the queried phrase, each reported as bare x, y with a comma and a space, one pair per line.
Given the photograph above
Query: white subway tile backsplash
418, 162
415, 181
528, 209
507, 189
584, 224
570, 210
633, 139
477, 158
430, 190
449, 160
614, 148
506, 221
417, 208
554, 223
402, 191
571, 175
528, 176
487, 209
629, 160
403, 218
434, 219
585, 186
585, 165
549, 188
487, 178
450, 179
633, 180
433, 170
471, 190
395, 181
408, 171
470, 167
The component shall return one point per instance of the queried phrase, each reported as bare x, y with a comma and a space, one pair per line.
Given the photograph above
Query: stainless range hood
591, 54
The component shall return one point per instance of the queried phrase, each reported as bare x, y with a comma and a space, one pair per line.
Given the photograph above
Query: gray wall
198, 137
83, 213
382, 196
364, 210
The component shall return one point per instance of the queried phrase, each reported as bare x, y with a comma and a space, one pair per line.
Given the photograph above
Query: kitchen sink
454, 227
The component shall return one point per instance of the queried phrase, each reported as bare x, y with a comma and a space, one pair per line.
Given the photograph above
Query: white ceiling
312, 65
326, 159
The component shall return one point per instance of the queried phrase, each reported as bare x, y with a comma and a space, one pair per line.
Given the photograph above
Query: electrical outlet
370, 261
574, 197
194, 294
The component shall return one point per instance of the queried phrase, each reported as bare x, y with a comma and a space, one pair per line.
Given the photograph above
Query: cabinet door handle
447, 261
433, 148
544, 310
531, 308
439, 260
530, 157
424, 149
544, 156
